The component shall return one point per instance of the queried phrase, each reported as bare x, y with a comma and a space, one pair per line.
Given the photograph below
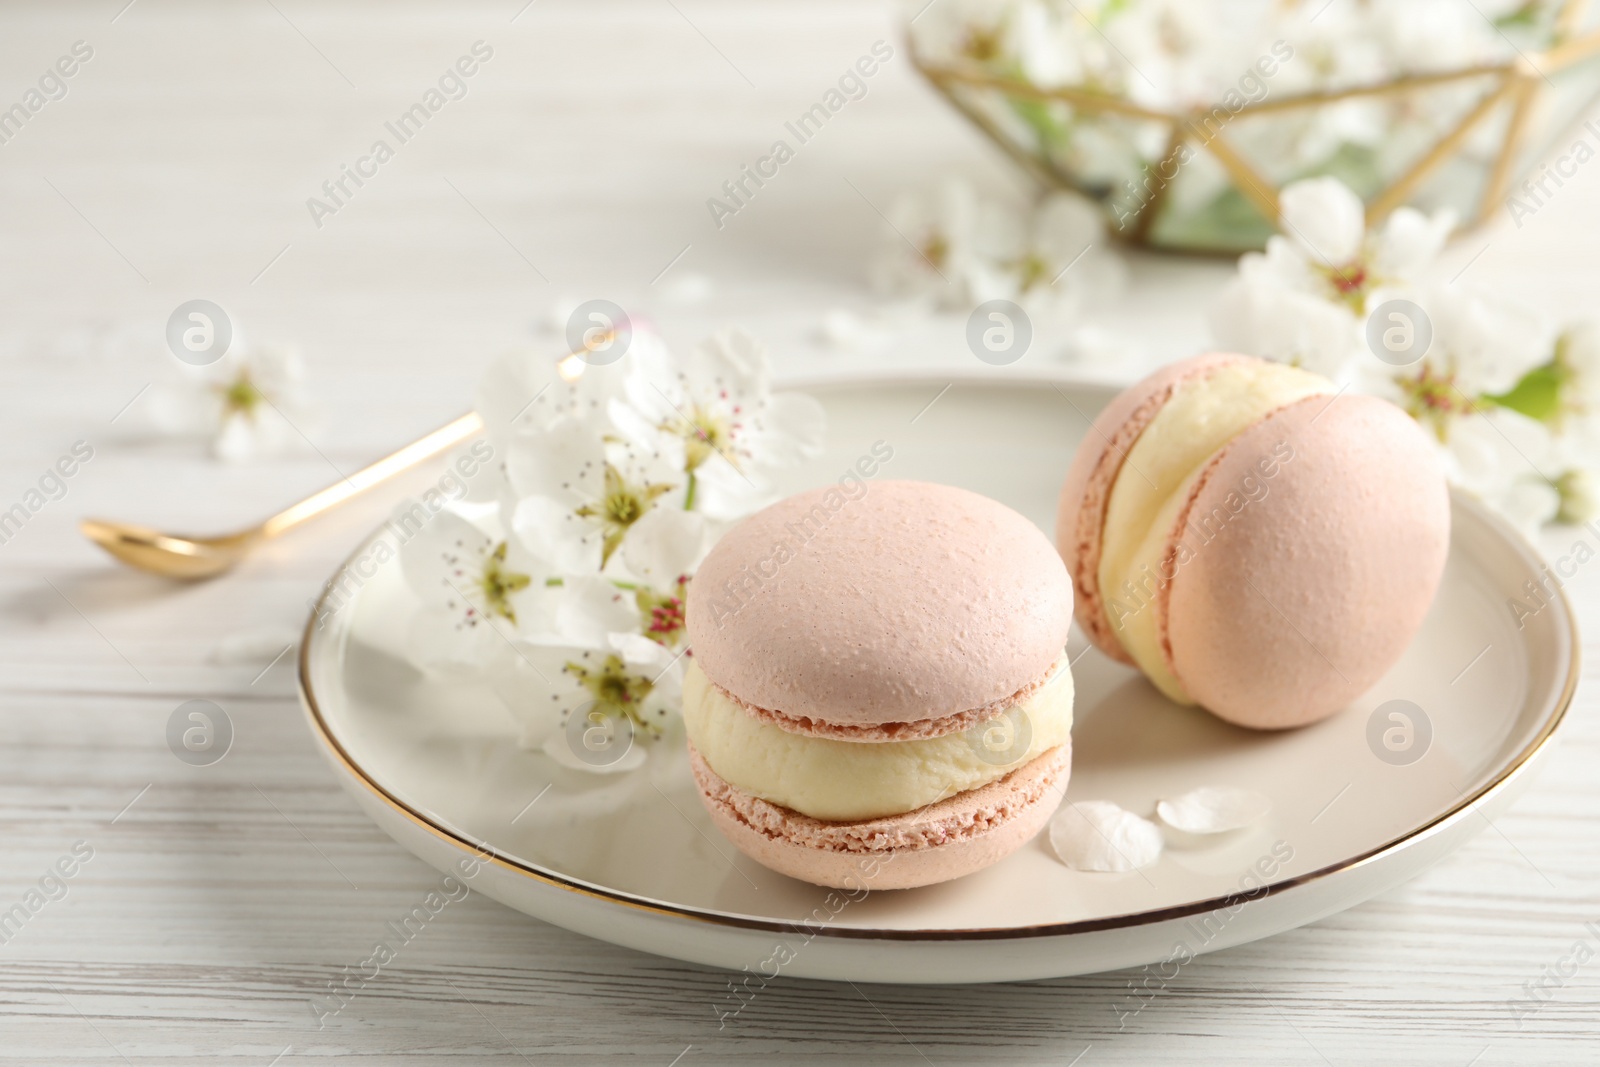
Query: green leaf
1537, 395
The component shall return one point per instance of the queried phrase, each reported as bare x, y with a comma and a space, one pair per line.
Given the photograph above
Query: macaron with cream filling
1252, 539
879, 694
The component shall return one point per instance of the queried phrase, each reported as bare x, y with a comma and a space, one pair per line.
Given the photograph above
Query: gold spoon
191, 558
175, 556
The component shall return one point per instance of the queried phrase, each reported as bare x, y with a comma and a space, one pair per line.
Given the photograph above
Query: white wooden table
578, 164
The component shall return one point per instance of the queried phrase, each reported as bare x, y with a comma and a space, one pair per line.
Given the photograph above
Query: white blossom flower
961, 249
1304, 300
955, 31
1325, 219
1177, 50
251, 403
1259, 315
1061, 254
526, 388
477, 590
1048, 53
1326, 223
565, 591
1184, 55
612, 653
1562, 394
730, 429
534, 387
1511, 406
591, 611
603, 706
942, 246
578, 495
1482, 346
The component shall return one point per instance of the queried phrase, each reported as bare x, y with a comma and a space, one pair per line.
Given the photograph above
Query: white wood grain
225, 897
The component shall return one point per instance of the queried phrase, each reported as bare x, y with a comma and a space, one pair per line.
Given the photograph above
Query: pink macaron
856, 643
1287, 568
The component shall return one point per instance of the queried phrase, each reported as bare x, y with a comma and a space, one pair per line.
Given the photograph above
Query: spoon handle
424, 448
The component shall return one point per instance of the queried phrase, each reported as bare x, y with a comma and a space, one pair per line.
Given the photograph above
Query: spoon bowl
169, 555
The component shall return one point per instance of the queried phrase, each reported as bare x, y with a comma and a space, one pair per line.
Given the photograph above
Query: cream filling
845, 780
1155, 481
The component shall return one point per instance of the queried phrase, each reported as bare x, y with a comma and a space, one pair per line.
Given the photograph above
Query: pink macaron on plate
1361, 801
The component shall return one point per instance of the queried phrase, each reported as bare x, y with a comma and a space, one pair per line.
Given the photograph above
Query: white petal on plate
1097, 835
1214, 809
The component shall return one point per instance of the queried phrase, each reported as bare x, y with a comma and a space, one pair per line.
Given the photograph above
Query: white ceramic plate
633, 858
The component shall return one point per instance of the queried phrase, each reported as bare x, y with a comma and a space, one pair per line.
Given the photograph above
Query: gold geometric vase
1207, 179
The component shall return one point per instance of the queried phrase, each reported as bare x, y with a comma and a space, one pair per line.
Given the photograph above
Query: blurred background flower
1507, 396
250, 404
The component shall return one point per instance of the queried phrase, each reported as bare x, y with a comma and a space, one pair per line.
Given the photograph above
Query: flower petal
565, 462
592, 608
554, 534
1325, 218
524, 389
793, 428
1214, 809
1097, 835
1409, 243
440, 554
1264, 319
442, 646
734, 361
665, 545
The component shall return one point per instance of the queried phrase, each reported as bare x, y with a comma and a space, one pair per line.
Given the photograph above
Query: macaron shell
1290, 605
1086, 492
897, 602
878, 732
955, 837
